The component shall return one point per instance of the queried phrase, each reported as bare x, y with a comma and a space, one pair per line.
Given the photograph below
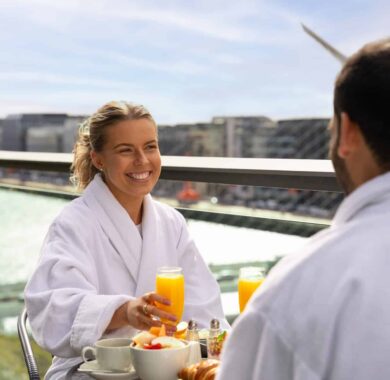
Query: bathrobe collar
141, 256
367, 196
115, 222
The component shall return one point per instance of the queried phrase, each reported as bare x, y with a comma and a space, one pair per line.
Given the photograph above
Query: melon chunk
144, 337
168, 342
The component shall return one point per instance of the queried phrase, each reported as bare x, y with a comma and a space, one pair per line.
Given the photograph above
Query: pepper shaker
213, 346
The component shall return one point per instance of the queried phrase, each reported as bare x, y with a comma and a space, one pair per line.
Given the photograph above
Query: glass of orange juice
249, 280
170, 284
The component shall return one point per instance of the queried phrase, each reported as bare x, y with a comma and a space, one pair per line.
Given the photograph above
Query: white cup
110, 354
162, 364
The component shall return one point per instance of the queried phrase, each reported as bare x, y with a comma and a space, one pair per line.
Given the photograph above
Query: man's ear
350, 136
96, 160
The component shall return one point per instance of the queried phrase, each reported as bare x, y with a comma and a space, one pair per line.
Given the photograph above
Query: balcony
269, 175
313, 175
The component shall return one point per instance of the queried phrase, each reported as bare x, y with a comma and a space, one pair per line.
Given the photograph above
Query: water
25, 219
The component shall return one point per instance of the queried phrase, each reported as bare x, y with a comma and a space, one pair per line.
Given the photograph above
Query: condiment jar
192, 331
214, 346
193, 341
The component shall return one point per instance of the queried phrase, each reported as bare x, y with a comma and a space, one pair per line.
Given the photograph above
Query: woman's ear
96, 160
350, 136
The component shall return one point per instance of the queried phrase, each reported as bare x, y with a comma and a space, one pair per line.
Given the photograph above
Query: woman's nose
140, 158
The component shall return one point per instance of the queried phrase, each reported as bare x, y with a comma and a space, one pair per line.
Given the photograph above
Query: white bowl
162, 364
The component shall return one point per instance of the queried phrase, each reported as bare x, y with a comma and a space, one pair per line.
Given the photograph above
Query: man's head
360, 129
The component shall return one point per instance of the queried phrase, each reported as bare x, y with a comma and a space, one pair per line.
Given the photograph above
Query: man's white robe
323, 313
94, 260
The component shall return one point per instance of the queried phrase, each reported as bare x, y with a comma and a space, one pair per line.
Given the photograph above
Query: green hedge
12, 365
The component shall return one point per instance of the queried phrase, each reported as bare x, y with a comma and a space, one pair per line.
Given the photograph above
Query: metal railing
268, 172
278, 173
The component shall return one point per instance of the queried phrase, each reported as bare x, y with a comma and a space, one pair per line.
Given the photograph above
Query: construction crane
339, 56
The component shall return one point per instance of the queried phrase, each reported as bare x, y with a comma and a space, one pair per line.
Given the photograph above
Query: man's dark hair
362, 90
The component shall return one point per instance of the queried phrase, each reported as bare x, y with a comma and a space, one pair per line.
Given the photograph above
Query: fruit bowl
160, 364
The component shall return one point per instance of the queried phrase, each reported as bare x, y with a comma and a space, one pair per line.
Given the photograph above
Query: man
324, 313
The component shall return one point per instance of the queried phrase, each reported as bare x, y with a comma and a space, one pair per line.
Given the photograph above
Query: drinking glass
170, 284
249, 280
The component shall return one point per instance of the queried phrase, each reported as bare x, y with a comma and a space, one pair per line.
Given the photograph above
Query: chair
26, 346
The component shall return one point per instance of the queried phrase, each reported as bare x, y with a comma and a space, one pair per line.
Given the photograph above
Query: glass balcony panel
217, 217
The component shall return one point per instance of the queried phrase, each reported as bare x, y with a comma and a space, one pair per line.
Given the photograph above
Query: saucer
93, 369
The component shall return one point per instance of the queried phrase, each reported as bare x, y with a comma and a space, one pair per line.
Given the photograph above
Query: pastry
205, 370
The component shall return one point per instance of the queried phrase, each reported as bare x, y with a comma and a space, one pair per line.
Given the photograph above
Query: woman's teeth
139, 175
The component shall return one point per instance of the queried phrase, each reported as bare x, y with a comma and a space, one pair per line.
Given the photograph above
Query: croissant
205, 370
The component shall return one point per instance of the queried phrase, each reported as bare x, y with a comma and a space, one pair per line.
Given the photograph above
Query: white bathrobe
323, 313
94, 259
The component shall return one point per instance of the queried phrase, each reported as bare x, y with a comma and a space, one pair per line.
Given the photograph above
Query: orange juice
246, 287
170, 284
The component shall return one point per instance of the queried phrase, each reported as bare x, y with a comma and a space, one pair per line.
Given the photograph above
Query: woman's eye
150, 147
127, 150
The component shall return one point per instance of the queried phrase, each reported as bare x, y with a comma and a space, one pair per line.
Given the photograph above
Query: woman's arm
65, 309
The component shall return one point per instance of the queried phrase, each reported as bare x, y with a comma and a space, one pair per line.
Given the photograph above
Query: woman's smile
140, 176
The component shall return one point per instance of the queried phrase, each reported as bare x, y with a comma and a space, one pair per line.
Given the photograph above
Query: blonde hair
92, 137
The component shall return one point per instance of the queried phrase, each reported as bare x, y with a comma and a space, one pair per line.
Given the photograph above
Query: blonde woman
96, 274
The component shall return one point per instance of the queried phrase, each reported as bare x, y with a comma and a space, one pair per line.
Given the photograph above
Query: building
246, 136
174, 140
300, 138
1, 133
44, 139
15, 128
70, 132
207, 139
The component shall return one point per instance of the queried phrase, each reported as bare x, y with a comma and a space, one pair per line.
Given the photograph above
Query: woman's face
130, 159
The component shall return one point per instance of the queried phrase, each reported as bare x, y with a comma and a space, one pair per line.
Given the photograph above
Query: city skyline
186, 61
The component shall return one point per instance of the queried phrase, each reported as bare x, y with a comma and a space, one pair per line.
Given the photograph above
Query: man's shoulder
320, 262
336, 246
323, 271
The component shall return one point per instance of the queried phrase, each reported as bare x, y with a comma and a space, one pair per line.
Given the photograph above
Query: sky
185, 60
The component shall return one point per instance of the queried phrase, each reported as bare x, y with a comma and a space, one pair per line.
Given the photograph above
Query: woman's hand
142, 313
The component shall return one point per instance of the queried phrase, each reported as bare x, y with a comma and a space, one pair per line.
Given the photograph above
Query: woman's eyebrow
131, 145
122, 144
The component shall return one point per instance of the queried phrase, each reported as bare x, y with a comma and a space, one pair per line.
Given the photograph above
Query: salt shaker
192, 331
193, 341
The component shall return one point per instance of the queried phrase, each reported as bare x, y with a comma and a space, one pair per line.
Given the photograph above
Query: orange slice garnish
155, 330
162, 331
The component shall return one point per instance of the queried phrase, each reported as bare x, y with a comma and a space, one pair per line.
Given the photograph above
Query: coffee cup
110, 354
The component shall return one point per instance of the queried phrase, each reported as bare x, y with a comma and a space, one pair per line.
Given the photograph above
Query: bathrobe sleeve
256, 350
202, 298
64, 308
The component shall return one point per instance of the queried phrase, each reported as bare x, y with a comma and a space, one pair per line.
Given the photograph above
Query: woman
96, 273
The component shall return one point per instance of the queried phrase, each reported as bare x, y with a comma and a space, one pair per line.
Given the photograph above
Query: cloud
22, 105
188, 60
57, 79
176, 67
227, 21
44, 12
